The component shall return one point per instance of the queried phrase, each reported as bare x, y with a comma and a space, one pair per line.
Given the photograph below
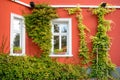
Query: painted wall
7, 6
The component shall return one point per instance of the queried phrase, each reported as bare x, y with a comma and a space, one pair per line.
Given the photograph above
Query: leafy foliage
101, 64
33, 68
39, 29
83, 51
38, 26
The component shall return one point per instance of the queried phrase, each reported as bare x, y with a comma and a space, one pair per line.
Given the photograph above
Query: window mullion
53, 38
21, 36
60, 41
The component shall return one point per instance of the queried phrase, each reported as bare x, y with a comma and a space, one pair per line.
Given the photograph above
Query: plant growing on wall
83, 50
101, 64
38, 26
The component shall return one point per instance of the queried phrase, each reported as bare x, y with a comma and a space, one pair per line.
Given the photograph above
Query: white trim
52, 55
69, 39
22, 3
11, 36
11, 54
81, 6
65, 6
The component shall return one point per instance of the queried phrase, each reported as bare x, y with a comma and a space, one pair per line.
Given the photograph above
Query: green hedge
33, 68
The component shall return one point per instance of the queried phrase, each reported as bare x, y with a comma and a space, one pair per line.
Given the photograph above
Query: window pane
16, 40
16, 43
16, 26
56, 28
56, 42
63, 28
64, 43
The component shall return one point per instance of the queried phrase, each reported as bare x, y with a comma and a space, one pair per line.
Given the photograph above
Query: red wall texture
7, 7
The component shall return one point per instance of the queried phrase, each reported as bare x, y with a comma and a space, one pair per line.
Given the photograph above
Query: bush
33, 68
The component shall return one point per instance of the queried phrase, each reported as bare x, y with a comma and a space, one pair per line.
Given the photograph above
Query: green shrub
33, 68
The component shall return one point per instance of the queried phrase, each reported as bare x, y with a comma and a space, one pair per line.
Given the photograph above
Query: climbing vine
38, 26
39, 29
83, 50
101, 64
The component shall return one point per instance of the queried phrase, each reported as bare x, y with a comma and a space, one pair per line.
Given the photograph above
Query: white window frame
69, 39
13, 16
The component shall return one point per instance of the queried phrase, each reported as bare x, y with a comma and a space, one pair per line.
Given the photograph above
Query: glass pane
64, 43
63, 28
16, 43
56, 28
16, 26
56, 42
16, 40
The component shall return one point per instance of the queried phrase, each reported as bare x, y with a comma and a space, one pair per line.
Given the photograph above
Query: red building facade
12, 15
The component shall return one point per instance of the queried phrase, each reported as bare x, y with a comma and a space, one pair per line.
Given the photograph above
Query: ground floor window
17, 35
61, 38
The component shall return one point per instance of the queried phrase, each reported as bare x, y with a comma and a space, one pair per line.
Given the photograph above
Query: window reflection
56, 42
64, 43
64, 28
16, 40
17, 26
56, 28
16, 44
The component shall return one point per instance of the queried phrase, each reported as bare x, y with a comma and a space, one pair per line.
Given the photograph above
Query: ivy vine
83, 49
38, 26
39, 29
101, 64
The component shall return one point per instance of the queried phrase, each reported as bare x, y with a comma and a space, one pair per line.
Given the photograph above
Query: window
17, 35
61, 38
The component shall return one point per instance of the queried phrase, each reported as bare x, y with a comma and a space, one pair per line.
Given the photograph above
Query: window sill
53, 55
17, 54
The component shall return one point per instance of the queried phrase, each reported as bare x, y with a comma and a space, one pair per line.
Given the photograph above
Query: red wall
7, 6
115, 36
